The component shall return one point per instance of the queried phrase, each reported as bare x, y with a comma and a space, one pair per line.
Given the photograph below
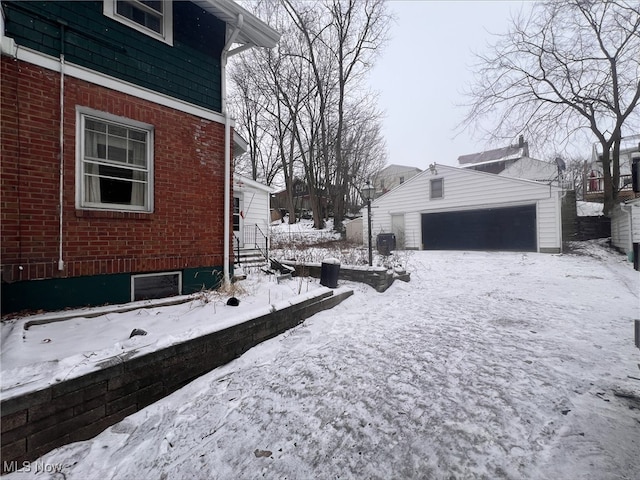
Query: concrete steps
250, 258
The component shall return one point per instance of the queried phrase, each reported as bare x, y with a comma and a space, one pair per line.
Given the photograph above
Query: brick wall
36, 422
186, 228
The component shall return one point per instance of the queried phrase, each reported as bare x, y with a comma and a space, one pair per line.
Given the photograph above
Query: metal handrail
596, 184
265, 239
237, 259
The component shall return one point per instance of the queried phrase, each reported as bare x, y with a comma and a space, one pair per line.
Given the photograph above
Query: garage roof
253, 31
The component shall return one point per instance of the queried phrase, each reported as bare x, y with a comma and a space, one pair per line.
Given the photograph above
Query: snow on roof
492, 156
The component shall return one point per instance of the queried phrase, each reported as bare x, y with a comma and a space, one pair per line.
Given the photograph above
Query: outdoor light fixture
367, 194
432, 169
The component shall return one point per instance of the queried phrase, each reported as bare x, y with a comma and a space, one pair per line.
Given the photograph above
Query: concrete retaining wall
39, 421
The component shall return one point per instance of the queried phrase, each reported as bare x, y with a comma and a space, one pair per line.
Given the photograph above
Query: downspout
61, 193
227, 149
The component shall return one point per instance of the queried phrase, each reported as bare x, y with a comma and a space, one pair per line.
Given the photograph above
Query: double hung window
153, 18
115, 164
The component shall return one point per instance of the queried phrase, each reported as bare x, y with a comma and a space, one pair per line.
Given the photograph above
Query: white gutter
227, 149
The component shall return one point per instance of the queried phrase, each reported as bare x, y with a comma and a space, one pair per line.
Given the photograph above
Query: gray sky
423, 71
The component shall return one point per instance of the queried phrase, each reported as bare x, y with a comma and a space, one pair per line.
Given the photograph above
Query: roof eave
253, 31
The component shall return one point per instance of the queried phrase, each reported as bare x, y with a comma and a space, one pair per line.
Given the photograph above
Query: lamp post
367, 194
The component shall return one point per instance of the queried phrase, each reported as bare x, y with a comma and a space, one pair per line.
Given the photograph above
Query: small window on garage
437, 188
155, 285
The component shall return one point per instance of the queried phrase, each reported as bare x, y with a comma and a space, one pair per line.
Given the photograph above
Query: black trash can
636, 256
386, 242
329, 272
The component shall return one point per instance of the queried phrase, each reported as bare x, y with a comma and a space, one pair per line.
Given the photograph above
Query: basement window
437, 188
155, 285
153, 18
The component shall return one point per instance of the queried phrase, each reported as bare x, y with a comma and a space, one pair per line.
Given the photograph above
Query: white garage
448, 208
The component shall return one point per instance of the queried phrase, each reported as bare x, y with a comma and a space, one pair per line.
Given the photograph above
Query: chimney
521, 141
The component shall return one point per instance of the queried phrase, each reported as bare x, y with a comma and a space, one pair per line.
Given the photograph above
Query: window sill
113, 214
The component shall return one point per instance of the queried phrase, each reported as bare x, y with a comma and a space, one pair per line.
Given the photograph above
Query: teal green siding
189, 70
61, 293
197, 279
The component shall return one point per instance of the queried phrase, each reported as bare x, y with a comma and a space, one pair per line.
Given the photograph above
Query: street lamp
368, 193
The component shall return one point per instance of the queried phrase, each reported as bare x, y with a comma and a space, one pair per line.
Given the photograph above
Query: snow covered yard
485, 365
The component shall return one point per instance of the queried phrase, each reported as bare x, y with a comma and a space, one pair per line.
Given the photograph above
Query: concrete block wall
378, 277
36, 422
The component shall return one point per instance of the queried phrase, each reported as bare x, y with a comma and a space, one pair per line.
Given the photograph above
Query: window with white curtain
115, 164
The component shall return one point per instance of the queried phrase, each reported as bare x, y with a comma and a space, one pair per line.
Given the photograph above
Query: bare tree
571, 66
250, 108
360, 30
308, 97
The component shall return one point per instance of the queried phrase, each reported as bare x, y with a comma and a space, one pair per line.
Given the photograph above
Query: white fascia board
471, 171
82, 73
253, 31
252, 183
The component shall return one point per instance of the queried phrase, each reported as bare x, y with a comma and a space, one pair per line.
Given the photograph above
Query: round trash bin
329, 272
385, 243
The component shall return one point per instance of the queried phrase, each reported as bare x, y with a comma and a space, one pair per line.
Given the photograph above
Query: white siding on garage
466, 190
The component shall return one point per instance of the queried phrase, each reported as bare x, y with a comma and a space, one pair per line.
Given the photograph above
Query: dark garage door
508, 228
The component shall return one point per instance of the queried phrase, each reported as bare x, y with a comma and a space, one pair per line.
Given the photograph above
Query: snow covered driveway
485, 365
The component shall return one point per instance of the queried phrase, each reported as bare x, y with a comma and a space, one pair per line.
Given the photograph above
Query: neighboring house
116, 148
594, 179
301, 200
529, 168
495, 161
449, 208
392, 176
625, 226
512, 161
251, 215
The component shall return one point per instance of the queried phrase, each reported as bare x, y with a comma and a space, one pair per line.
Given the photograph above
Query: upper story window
437, 188
155, 18
401, 179
115, 163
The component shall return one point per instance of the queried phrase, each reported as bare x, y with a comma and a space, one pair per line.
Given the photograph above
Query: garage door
508, 228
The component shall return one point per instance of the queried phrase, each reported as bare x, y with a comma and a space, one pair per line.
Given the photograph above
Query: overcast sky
423, 71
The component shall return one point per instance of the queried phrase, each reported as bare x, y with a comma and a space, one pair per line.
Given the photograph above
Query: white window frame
111, 11
82, 113
161, 274
431, 196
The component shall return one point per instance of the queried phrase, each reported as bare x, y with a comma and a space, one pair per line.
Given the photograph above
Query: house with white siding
449, 208
251, 216
625, 226
391, 176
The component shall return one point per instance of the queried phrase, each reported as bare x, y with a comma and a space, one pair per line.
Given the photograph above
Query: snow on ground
589, 209
46, 353
485, 365
301, 232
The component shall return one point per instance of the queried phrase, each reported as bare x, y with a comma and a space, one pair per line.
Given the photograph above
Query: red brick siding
185, 229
